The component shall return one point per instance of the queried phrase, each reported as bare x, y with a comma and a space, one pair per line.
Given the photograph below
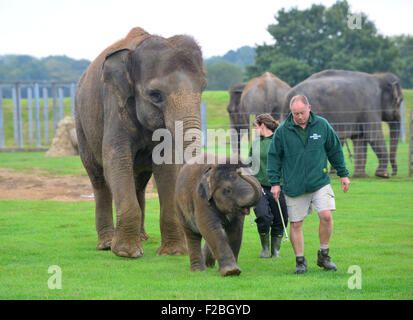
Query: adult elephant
235, 92
137, 85
356, 103
263, 94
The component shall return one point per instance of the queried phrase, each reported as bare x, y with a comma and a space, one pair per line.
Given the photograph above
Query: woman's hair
267, 120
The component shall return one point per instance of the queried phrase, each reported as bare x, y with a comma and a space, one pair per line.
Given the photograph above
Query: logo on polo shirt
315, 136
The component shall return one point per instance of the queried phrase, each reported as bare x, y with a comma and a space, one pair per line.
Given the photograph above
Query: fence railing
37, 93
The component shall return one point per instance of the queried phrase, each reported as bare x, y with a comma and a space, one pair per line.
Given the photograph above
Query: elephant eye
155, 96
227, 191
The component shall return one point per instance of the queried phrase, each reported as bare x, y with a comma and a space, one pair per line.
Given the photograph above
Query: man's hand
345, 183
275, 190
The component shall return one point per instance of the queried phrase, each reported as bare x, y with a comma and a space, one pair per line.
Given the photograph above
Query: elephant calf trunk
254, 196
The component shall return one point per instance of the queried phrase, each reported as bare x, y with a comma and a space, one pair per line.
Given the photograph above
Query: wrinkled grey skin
212, 201
137, 85
263, 94
355, 104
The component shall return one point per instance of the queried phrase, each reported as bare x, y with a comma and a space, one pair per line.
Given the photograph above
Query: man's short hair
299, 97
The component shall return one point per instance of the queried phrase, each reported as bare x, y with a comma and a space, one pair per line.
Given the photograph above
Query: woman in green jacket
266, 211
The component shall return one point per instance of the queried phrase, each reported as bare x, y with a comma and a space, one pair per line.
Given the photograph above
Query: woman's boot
265, 244
276, 245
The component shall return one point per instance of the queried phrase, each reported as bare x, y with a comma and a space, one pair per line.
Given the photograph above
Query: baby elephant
212, 201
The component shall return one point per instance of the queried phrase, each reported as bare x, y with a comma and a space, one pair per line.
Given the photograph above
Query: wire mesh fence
370, 147
30, 112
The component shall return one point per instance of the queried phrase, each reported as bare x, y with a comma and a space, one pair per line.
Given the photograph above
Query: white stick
282, 220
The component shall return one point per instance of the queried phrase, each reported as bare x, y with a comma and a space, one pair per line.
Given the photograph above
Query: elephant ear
205, 188
397, 92
391, 90
116, 75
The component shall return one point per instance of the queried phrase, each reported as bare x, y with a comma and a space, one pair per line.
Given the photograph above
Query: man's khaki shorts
299, 207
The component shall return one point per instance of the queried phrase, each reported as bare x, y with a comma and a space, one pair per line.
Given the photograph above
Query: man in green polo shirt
298, 153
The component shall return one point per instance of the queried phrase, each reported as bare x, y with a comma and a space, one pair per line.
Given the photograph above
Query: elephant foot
144, 236
197, 267
172, 249
230, 271
127, 249
382, 174
360, 175
104, 244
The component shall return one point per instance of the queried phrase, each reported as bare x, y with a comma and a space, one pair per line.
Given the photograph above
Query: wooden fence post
37, 114
62, 110
15, 126
19, 115
46, 116
30, 113
55, 114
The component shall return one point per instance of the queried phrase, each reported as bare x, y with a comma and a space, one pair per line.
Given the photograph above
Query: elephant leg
234, 233
209, 258
141, 180
103, 216
119, 175
102, 194
360, 156
193, 241
379, 147
218, 242
172, 235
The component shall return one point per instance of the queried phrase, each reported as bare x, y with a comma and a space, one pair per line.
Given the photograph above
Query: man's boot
324, 260
276, 245
265, 244
300, 265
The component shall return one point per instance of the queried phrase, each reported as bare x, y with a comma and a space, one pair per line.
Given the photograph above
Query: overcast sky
83, 28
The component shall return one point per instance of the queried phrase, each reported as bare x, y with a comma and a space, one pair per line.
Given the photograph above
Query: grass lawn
373, 230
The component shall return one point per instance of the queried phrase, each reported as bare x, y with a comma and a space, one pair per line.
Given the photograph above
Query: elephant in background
235, 92
263, 94
355, 104
137, 85
212, 200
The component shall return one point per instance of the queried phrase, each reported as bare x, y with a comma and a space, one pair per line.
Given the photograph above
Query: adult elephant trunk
251, 197
184, 122
394, 140
192, 136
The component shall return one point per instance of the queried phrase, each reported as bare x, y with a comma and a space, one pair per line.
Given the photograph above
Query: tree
25, 67
405, 45
221, 75
319, 38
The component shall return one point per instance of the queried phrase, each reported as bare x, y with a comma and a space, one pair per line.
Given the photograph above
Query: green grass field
372, 230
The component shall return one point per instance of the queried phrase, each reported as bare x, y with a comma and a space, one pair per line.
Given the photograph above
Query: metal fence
363, 142
38, 132
37, 93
